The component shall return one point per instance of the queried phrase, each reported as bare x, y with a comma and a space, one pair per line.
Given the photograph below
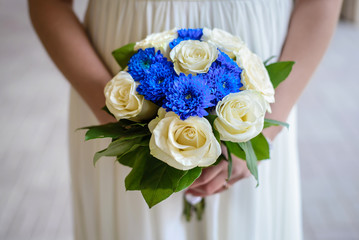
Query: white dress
103, 210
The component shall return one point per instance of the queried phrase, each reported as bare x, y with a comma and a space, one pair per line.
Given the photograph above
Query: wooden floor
34, 178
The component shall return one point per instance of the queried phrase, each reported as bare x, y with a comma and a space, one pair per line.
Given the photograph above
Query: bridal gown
103, 210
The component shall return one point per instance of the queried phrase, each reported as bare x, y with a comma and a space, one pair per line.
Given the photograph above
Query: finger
232, 181
225, 187
194, 192
211, 187
208, 174
240, 172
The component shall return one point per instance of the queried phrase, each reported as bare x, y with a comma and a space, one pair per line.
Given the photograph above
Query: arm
69, 47
312, 25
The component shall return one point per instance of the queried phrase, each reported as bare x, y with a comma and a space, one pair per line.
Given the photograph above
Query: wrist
270, 133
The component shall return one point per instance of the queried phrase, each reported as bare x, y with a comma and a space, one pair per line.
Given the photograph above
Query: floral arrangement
182, 93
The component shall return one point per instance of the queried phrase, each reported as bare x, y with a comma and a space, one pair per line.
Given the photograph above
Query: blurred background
35, 201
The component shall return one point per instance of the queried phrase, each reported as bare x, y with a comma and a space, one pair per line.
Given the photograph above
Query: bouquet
181, 94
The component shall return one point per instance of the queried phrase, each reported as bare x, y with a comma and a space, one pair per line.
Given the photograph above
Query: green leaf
268, 60
118, 147
199, 208
251, 158
116, 130
216, 135
211, 119
129, 157
271, 122
187, 209
235, 149
187, 179
279, 71
260, 147
123, 54
109, 130
229, 164
133, 179
159, 181
128, 124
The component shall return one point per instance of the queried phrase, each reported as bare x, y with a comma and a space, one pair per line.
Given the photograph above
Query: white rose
255, 75
225, 41
160, 41
123, 101
240, 116
193, 56
160, 115
184, 144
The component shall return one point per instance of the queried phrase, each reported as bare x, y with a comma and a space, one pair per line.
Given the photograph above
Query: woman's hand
214, 179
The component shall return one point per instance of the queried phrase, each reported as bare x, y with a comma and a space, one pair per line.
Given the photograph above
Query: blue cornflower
223, 77
140, 63
187, 34
155, 84
188, 96
228, 63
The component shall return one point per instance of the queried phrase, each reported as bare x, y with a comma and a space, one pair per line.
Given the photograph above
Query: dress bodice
113, 23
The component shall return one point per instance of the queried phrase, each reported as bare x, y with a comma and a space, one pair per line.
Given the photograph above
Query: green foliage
115, 130
128, 124
123, 54
251, 158
271, 122
279, 71
260, 147
259, 144
187, 209
128, 158
211, 119
235, 149
133, 179
268, 60
155, 179
251, 151
159, 180
198, 208
121, 146
130, 144
229, 164
187, 179
109, 130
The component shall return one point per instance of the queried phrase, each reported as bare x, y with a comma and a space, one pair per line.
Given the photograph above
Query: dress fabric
103, 210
